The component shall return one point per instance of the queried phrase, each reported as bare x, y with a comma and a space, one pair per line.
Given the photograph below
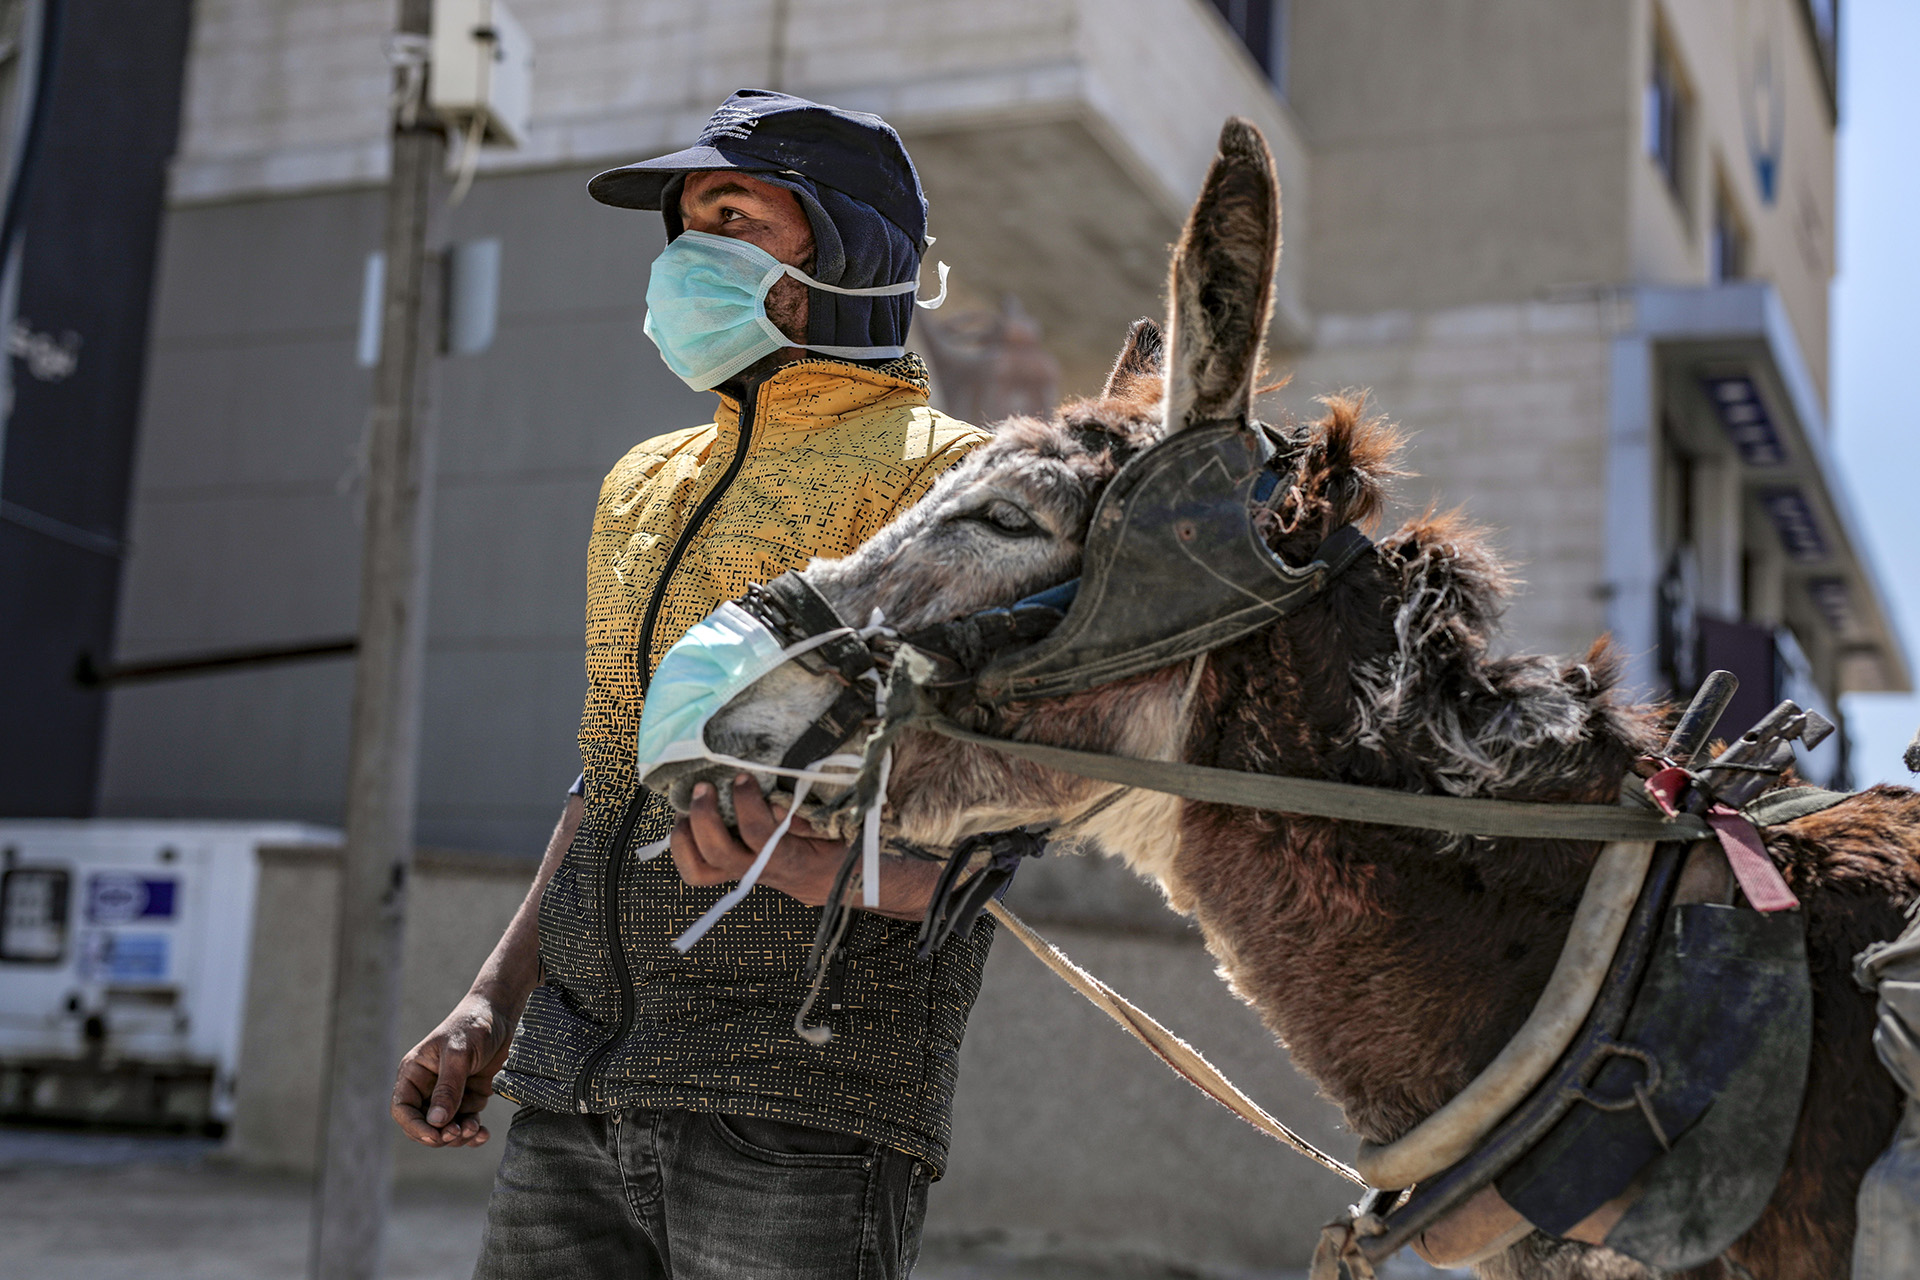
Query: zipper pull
833, 991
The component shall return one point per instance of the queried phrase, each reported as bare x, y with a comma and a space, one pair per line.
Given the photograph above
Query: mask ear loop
933, 304
875, 291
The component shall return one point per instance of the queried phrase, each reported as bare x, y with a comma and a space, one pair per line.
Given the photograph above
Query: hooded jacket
817, 458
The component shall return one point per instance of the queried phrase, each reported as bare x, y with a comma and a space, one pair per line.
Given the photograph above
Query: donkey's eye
1005, 517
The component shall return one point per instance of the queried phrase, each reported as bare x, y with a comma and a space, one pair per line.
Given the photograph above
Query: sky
1876, 340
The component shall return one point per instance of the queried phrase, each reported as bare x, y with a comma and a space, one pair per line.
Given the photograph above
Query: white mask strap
878, 290
870, 839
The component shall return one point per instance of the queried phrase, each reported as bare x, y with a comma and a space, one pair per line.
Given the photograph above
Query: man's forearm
511, 972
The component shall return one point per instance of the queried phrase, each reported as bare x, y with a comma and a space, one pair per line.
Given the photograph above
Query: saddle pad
1704, 1195
1726, 993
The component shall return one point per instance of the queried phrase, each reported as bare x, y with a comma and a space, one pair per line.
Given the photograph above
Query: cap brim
639, 186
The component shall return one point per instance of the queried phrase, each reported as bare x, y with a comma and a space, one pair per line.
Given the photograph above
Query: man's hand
803, 865
446, 1079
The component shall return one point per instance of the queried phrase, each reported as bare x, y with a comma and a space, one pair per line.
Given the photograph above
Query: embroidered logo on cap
729, 121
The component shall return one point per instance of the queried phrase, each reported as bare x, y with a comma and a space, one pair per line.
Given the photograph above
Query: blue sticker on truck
120, 897
108, 955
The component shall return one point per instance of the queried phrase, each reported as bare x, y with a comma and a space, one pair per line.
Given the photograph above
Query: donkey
1393, 963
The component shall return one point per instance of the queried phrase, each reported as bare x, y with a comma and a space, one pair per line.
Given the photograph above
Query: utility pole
356, 1170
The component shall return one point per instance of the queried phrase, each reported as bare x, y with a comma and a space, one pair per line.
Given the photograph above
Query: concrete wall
1066, 1132
459, 906
1464, 151
1066, 1128
1467, 151
1727, 50
289, 95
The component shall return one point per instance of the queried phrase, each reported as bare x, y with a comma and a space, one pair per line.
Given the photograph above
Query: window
33, 915
1262, 27
1667, 111
1825, 16
1726, 239
1823, 24
1677, 595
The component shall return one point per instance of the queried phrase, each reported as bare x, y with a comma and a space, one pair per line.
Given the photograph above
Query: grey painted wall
247, 500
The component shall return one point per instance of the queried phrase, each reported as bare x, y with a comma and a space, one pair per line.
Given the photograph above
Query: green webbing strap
1313, 797
1788, 803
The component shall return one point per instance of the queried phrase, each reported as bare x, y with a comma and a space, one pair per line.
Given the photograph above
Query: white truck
123, 967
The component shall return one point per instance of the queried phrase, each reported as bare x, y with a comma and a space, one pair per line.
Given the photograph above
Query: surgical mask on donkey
718, 659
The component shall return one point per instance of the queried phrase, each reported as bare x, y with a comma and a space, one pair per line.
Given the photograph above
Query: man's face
723, 202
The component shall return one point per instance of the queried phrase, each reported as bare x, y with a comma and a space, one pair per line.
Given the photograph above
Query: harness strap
1789, 803
1457, 1127
830, 728
792, 605
972, 642
1314, 797
1185, 1060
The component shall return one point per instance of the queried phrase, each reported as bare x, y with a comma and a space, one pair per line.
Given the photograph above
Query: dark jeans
642, 1194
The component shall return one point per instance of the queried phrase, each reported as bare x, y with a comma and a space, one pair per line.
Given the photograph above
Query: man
671, 1120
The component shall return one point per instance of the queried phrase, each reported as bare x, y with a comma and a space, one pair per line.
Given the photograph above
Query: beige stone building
1580, 250
1582, 253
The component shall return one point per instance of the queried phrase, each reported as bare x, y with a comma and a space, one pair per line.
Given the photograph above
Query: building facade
1581, 251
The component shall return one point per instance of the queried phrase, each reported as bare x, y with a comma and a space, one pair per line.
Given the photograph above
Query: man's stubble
787, 303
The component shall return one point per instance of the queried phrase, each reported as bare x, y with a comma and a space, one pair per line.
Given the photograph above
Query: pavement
112, 1207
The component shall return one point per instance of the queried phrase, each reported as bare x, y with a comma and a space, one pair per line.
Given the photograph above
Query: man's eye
1007, 518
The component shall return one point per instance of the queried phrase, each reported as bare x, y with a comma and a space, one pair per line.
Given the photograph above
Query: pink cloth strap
1667, 786
1752, 866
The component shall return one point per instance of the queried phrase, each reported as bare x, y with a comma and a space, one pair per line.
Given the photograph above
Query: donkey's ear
1144, 357
1222, 286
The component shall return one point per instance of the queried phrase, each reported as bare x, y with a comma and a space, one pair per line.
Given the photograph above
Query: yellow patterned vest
822, 454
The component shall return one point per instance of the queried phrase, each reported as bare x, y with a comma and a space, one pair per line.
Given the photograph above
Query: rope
1168, 1047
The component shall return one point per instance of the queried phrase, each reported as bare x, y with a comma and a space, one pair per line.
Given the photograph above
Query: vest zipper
610, 879
700, 514
610, 933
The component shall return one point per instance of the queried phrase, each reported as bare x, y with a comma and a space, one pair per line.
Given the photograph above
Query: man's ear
1141, 359
1222, 286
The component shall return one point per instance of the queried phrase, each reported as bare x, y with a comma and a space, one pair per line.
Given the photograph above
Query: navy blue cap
760, 131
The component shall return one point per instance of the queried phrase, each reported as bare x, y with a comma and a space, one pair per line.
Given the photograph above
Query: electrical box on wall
482, 70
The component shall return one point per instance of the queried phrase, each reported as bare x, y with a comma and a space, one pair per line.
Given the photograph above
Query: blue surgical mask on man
707, 308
